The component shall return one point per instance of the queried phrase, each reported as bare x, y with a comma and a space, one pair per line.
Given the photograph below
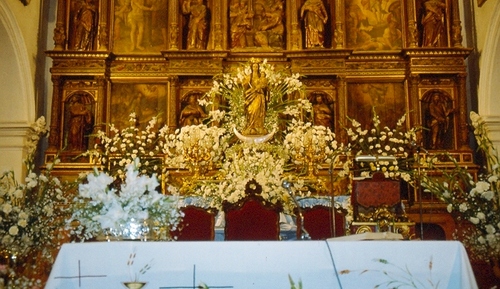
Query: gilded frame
388, 98
145, 99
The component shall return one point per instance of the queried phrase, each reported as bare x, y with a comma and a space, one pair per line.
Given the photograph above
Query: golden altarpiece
113, 57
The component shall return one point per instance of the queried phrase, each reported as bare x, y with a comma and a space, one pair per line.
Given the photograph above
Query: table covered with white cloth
263, 264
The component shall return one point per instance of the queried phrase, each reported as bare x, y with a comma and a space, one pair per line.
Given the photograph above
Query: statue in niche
197, 24
79, 122
255, 101
84, 26
433, 24
192, 113
240, 23
322, 110
314, 22
438, 119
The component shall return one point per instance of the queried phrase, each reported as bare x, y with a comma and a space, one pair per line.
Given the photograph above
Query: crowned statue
256, 97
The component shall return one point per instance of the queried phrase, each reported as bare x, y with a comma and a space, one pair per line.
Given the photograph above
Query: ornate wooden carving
391, 61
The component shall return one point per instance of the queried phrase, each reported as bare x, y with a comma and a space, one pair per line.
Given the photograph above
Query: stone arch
489, 80
17, 99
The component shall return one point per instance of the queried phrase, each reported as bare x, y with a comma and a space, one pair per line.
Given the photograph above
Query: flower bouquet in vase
473, 201
128, 209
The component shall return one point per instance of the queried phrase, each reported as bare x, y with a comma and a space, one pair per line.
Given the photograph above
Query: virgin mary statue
255, 101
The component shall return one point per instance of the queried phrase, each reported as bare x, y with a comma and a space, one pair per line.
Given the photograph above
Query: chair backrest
198, 224
319, 223
252, 218
372, 194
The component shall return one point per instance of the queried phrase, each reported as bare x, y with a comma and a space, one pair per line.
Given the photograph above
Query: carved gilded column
412, 24
103, 36
342, 105
414, 100
218, 17
60, 30
172, 107
462, 108
456, 27
101, 103
339, 34
173, 27
294, 23
55, 117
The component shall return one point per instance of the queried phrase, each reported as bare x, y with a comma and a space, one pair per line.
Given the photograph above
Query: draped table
263, 264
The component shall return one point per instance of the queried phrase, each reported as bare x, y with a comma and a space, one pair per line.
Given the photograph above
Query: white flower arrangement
14, 216
378, 141
243, 163
120, 147
230, 87
476, 201
99, 206
32, 215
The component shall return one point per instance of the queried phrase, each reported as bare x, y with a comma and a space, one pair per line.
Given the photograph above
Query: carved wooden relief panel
257, 24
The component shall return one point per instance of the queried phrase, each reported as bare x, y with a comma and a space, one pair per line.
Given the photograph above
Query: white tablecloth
266, 264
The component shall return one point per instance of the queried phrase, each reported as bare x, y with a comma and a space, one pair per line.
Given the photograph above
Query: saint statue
322, 112
192, 113
255, 101
197, 26
433, 24
85, 26
80, 124
315, 16
439, 120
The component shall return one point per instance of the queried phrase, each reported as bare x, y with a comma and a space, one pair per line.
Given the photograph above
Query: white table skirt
266, 264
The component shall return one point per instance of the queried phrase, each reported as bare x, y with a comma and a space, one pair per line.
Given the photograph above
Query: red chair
252, 218
198, 224
318, 222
